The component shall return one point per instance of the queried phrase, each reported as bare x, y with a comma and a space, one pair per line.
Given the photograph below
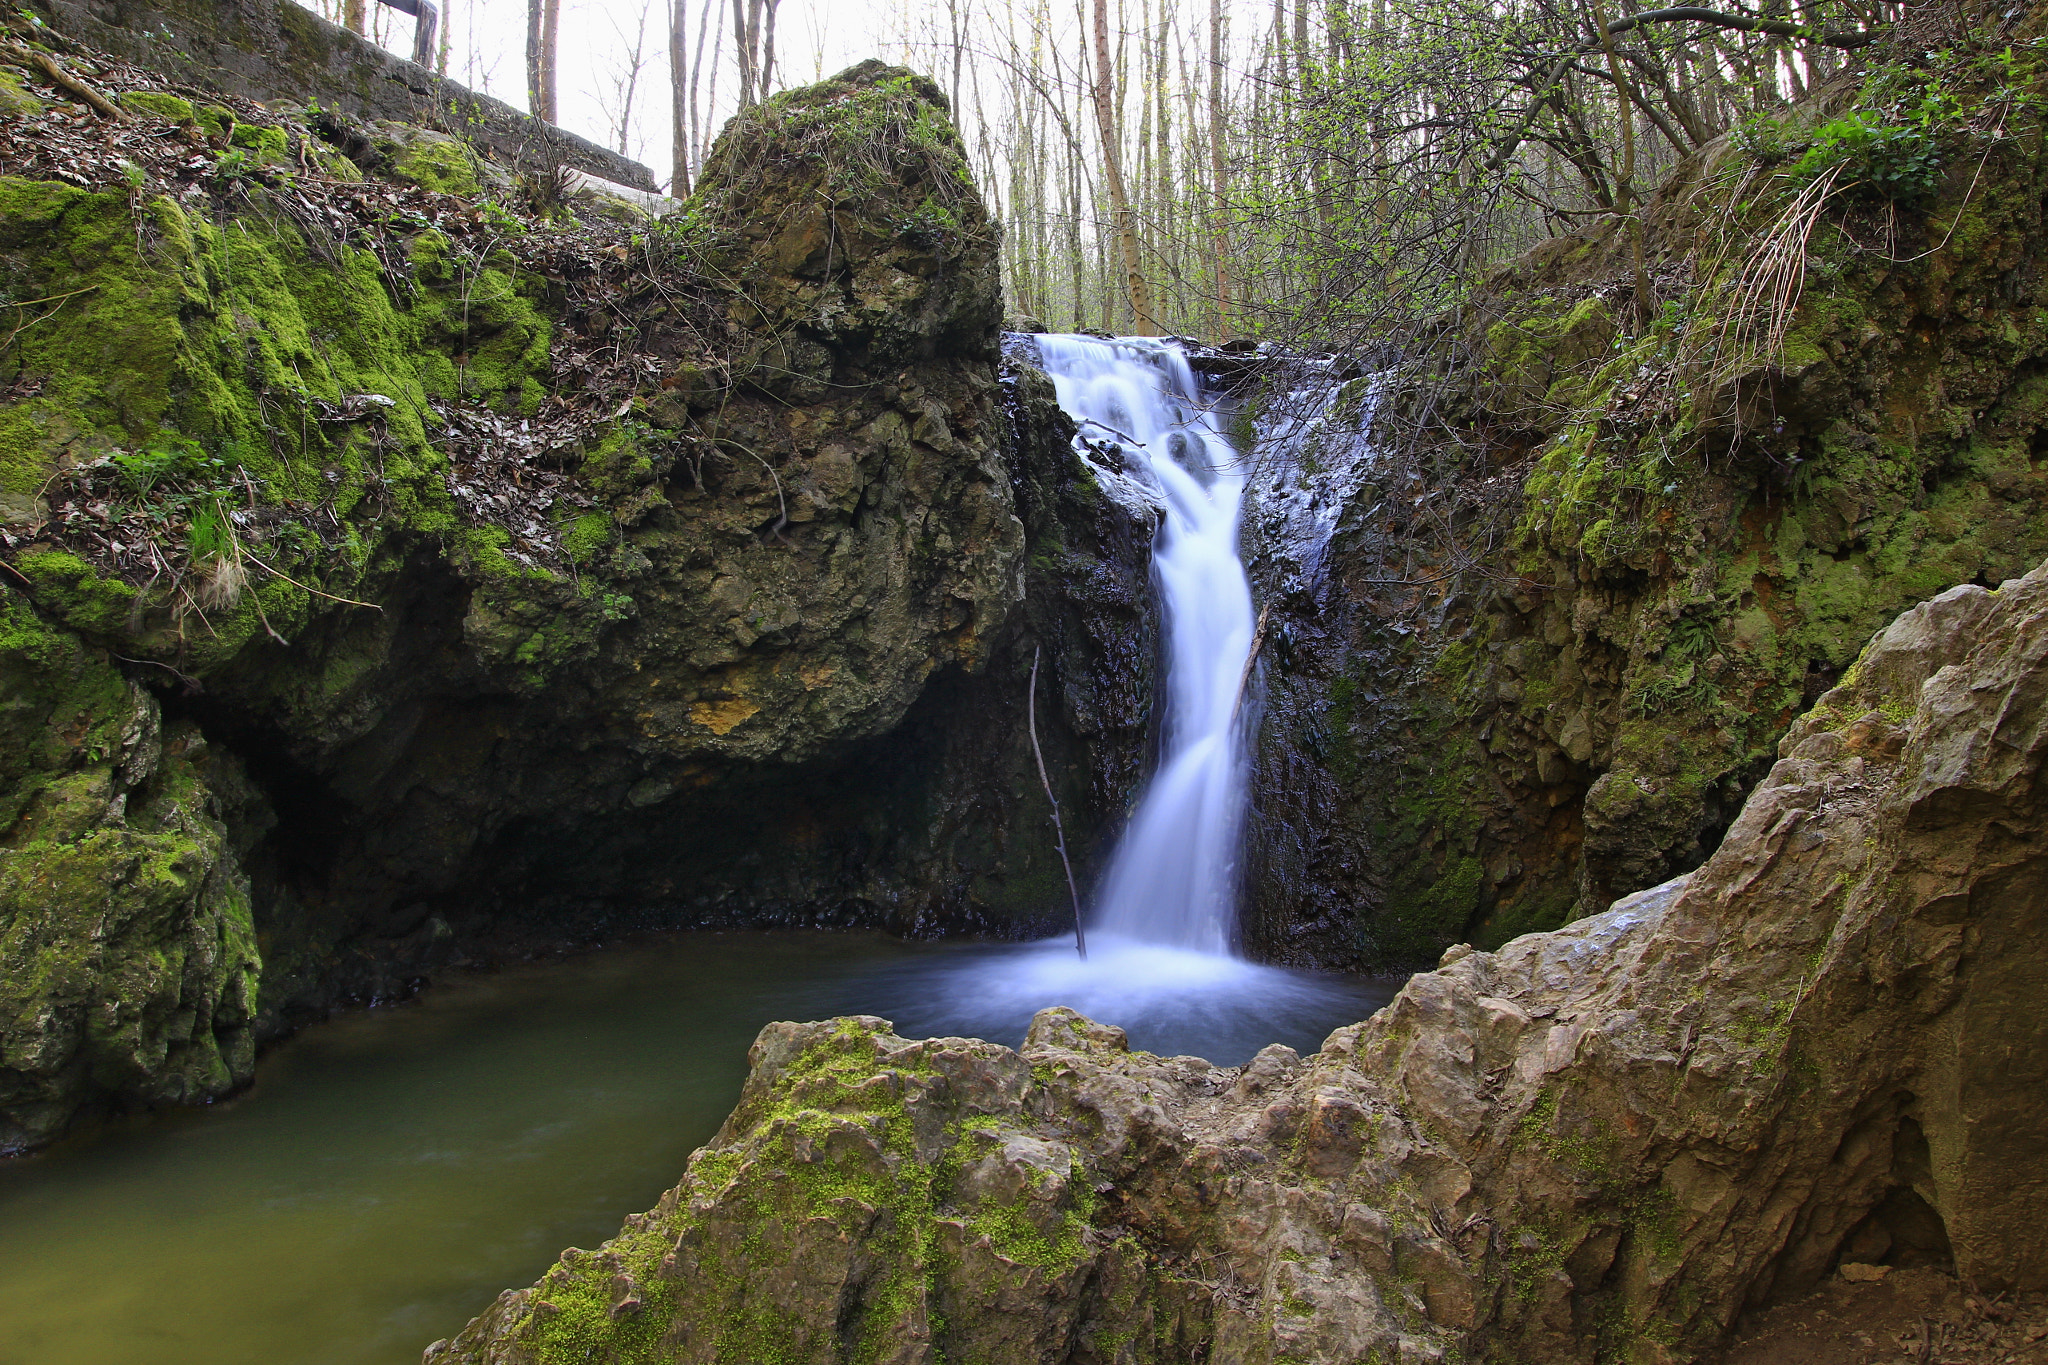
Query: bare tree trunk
746, 37
1121, 222
1219, 231
679, 98
765, 82
637, 62
716, 32
355, 15
959, 45
543, 35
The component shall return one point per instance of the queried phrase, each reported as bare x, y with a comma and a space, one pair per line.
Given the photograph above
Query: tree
679, 97
1219, 164
543, 33
753, 31
625, 71
1122, 224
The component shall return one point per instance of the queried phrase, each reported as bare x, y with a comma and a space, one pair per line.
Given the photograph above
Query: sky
814, 38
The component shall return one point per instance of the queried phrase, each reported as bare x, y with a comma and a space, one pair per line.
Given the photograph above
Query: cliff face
1569, 621
400, 566
1597, 1143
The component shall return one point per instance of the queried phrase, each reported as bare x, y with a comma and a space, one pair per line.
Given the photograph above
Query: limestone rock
529, 651
1820, 1049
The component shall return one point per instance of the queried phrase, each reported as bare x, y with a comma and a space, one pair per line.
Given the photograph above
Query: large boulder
1599, 1143
502, 577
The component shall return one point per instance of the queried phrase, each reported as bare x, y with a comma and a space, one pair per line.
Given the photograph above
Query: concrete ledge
273, 49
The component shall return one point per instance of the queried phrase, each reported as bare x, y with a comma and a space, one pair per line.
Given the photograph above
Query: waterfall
1173, 878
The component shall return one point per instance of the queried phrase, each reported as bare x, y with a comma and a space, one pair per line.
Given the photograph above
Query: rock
1603, 1141
1450, 755
742, 639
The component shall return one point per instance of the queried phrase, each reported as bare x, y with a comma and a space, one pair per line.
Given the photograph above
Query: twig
57, 299
1251, 659
1059, 831
184, 678
242, 551
1123, 436
345, 601
54, 72
781, 503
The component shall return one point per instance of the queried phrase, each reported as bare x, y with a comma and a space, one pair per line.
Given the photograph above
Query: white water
1173, 880
1159, 962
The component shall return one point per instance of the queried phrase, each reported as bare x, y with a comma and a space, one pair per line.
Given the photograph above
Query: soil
1909, 1315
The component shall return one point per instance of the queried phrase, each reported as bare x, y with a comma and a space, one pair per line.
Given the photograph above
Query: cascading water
1159, 962
1173, 880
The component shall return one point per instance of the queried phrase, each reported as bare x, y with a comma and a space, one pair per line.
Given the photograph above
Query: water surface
391, 1171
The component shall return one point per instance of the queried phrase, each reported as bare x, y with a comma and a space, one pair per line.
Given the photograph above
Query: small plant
1766, 140
1691, 638
500, 219
1900, 162
167, 459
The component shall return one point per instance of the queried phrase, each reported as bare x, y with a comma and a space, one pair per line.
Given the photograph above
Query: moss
225, 336
15, 100
1016, 1238
160, 104
588, 534
267, 144
435, 162
1427, 912
1540, 909
64, 706
218, 122
485, 336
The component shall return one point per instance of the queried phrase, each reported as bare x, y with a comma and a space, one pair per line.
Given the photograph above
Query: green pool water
391, 1171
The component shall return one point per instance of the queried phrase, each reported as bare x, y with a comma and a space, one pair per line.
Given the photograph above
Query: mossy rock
215, 120
160, 104
266, 143
433, 161
15, 100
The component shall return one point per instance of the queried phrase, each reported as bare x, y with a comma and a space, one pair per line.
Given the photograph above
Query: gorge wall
1596, 1144
404, 564
1601, 560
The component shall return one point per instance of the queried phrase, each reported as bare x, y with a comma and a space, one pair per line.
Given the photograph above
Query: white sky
488, 51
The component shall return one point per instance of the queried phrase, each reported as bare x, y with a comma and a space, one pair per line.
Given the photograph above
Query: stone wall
273, 49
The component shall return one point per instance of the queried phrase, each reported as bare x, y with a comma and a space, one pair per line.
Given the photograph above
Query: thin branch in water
1059, 830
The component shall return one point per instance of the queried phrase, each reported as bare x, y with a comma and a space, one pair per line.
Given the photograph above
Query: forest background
1320, 173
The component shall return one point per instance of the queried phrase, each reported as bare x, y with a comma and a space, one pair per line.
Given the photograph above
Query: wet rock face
748, 642
1580, 596
1598, 1143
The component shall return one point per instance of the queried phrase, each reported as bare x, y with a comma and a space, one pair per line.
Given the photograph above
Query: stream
391, 1171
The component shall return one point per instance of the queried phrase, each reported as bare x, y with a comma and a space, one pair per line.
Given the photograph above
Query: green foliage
167, 459
1900, 162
